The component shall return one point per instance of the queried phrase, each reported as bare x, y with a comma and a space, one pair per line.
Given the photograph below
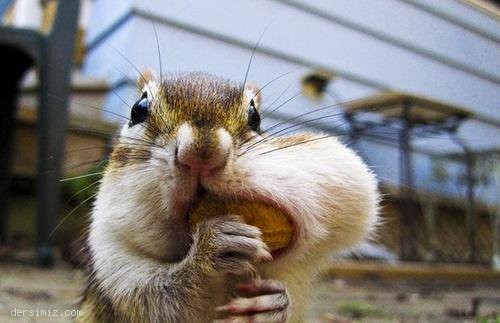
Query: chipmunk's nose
202, 151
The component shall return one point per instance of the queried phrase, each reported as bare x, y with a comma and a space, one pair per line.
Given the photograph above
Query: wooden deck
423, 271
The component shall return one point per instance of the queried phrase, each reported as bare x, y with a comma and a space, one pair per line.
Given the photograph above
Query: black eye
253, 117
139, 111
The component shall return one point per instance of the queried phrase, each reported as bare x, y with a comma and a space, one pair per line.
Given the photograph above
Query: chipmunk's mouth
205, 198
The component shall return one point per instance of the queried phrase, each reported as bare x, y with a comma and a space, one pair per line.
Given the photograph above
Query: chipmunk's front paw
261, 301
227, 245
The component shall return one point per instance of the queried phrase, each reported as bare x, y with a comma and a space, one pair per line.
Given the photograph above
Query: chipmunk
189, 134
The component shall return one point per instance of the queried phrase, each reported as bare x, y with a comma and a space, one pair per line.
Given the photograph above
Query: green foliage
495, 319
358, 309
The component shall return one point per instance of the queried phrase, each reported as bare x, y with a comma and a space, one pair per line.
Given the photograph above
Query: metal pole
429, 213
405, 165
495, 261
55, 77
19, 62
408, 236
471, 212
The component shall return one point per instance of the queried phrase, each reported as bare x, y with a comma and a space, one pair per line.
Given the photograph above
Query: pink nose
202, 152
203, 161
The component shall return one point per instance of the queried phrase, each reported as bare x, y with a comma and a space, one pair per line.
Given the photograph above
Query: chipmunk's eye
253, 117
139, 111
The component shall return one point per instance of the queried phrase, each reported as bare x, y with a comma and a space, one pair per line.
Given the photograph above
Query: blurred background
412, 85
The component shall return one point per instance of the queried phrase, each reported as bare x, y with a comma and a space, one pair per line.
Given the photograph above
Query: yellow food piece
276, 227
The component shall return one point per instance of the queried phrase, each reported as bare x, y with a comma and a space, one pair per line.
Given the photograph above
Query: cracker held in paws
276, 227
203, 215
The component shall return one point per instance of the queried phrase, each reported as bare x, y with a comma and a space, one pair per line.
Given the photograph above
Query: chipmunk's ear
147, 76
252, 92
147, 84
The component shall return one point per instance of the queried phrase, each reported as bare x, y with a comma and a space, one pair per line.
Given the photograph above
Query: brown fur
203, 100
292, 140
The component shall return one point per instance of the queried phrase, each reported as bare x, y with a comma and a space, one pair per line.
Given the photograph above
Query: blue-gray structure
446, 50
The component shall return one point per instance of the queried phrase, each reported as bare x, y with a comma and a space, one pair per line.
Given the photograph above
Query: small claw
261, 287
252, 305
264, 255
223, 308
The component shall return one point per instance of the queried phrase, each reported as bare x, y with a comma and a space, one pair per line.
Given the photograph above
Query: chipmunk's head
188, 127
